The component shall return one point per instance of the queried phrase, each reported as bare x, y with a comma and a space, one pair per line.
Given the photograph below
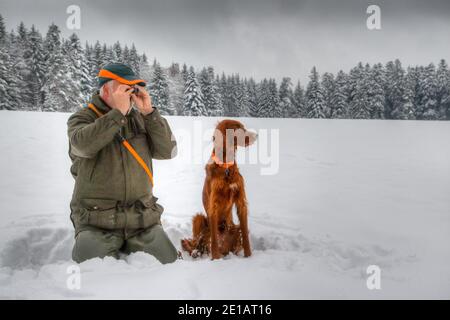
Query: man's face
109, 88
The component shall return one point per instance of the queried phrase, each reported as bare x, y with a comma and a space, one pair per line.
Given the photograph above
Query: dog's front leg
242, 212
213, 216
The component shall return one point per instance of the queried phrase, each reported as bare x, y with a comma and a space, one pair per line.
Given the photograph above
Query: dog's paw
195, 253
216, 256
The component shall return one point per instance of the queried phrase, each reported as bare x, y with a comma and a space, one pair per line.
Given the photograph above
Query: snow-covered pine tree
232, 104
174, 69
19, 52
216, 98
3, 36
35, 60
403, 107
9, 93
375, 91
117, 52
125, 55
184, 72
22, 34
263, 94
52, 40
97, 57
144, 67
315, 100
226, 93
107, 54
253, 107
159, 91
91, 63
10, 40
203, 81
6, 103
328, 87
299, 102
339, 102
193, 97
286, 98
61, 92
52, 44
394, 87
353, 78
413, 80
239, 97
360, 106
417, 73
133, 61
218, 83
176, 88
245, 99
211, 94
406, 109
443, 90
274, 100
79, 70
428, 93
88, 79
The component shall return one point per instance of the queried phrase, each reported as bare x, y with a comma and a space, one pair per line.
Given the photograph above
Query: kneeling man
111, 146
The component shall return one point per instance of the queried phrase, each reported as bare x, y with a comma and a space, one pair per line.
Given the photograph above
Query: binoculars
136, 88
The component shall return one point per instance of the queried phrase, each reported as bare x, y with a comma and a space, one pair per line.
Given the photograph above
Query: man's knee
95, 244
156, 242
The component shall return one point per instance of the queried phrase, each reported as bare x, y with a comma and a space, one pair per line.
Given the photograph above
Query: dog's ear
250, 137
244, 138
239, 137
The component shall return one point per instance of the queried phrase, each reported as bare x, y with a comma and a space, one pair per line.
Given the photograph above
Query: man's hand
121, 98
142, 100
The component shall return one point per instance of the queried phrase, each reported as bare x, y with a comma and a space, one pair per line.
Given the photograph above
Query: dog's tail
199, 224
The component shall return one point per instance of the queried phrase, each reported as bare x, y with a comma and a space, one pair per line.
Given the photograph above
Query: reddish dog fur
216, 233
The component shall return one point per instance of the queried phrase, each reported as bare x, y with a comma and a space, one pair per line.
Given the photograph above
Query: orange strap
128, 146
225, 165
93, 108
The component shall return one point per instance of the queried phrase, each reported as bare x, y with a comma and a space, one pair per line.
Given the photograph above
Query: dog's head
229, 134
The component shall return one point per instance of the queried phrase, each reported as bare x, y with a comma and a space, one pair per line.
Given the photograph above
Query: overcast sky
259, 38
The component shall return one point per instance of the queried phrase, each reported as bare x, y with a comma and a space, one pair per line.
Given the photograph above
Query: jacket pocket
149, 211
101, 213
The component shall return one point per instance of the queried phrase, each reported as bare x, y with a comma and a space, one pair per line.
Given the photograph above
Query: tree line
51, 73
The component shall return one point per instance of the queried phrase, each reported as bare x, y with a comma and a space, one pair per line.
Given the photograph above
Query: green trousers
92, 244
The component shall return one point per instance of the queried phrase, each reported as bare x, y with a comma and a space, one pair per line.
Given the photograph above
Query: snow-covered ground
348, 194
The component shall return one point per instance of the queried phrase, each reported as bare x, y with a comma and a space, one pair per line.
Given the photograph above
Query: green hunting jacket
112, 191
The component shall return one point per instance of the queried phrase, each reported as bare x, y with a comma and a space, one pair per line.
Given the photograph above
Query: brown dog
224, 187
